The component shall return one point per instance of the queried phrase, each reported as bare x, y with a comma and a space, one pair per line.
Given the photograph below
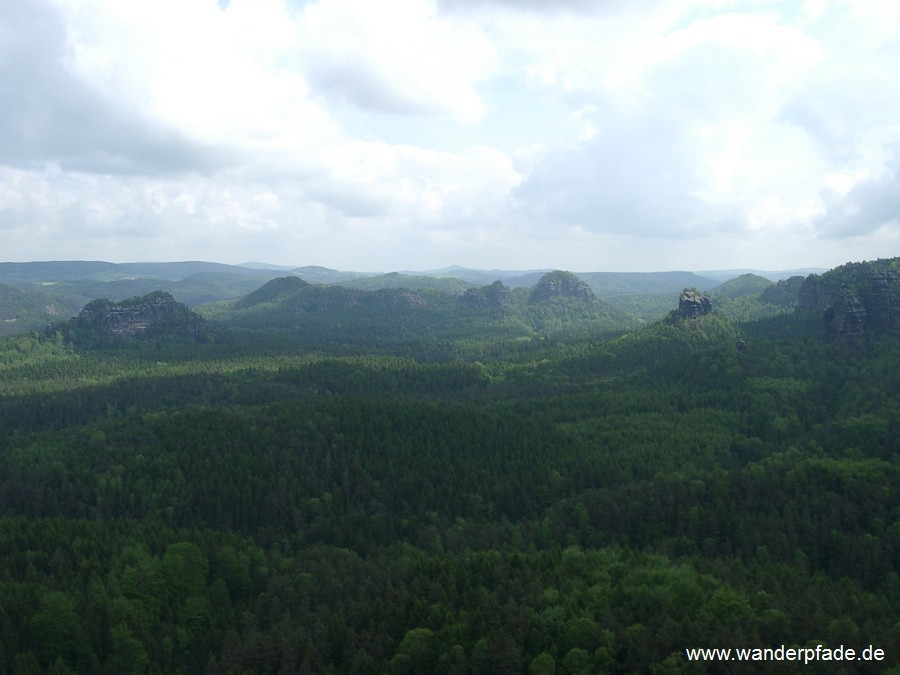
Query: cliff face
880, 294
693, 304
815, 294
494, 296
389, 298
855, 301
138, 315
561, 285
785, 293
845, 319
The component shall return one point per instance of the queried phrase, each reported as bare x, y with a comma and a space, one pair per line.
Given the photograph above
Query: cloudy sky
619, 135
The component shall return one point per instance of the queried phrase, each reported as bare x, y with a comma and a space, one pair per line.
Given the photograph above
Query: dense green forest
321, 480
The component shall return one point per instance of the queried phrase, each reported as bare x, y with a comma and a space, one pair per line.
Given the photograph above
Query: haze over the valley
419, 134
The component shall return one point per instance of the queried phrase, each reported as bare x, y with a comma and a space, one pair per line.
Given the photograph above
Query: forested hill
746, 284
491, 500
104, 323
558, 303
37, 293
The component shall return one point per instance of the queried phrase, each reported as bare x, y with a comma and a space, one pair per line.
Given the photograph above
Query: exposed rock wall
132, 317
693, 304
846, 319
561, 285
814, 294
494, 296
880, 294
870, 304
394, 297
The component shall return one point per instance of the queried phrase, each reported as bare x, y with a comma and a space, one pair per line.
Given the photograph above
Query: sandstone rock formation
561, 285
394, 297
138, 315
880, 294
494, 296
846, 318
855, 301
692, 304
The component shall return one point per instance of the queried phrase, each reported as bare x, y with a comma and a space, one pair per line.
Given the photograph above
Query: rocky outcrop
814, 294
495, 296
561, 285
138, 315
692, 304
880, 294
855, 301
394, 297
845, 319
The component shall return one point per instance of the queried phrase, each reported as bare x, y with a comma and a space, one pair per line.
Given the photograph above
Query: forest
321, 479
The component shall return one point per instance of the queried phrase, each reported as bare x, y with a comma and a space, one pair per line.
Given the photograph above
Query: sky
589, 135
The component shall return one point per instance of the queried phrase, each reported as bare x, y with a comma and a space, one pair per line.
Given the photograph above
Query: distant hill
510, 278
27, 309
610, 284
647, 295
273, 291
558, 302
324, 275
46, 291
211, 286
450, 285
745, 284
53, 270
266, 266
772, 275
750, 297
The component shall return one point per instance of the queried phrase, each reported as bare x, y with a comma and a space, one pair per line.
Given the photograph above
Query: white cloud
689, 133
218, 76
448, 131
395, 57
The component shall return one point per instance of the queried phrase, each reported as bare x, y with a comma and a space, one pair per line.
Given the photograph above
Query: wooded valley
324, 479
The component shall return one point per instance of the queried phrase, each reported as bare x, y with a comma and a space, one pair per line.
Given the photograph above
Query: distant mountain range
33, 294
725, 275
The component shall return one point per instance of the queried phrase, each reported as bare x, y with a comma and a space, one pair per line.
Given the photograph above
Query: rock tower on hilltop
692, 304
558, 284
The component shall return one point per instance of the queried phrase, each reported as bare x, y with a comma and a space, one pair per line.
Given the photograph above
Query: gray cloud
547, 133
355, 203
867, 207
838, 115
48, 115
637, 177
822, 117
362, 85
